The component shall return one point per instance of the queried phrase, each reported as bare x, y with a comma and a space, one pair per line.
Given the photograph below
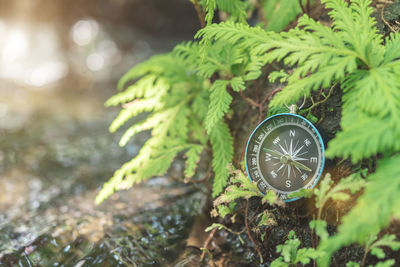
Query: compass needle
300, 165
273, 152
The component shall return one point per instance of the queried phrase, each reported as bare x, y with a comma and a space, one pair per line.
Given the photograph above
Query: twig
319, 102
267, 98
270, 95
384, 20
323, 113
248, 230
259, 105
249, 101
200, 13
207, 242
302, 7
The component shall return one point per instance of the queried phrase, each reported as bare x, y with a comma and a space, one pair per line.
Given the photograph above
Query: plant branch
249, 101
384, 20
302, 7
200, 13
207, 242
319, 102
248, 231
259, 105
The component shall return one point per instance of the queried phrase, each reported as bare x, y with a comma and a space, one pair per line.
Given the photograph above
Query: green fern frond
341, 191
371, 112
357, 27
171, 95
208, 59
157, 65
222, 145
392, 44
192, 158
241, 187
220, 100
146, 85
210, 6
237, 84
327, 61
150, 122
133, 109
206, 65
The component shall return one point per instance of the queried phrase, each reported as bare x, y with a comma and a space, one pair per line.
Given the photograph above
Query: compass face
285, 153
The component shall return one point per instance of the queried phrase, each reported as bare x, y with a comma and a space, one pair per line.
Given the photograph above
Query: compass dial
285, 153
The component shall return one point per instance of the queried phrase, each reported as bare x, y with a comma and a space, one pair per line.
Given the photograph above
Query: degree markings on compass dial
293, 157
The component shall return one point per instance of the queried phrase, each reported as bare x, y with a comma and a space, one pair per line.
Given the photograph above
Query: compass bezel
320, 165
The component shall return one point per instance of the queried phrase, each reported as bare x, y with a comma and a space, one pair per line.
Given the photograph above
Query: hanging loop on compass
294, 108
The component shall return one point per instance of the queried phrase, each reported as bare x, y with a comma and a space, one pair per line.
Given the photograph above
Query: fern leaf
211, 5
358, 27
200, 104
385, 241
324, 77
153, 65
192, 158
320, 228
392, 44
146, 84
371, 112
109, 188
160, 163
149, 123
220, 100
134, 109
237, 84
205, 65
222, 145
232, 193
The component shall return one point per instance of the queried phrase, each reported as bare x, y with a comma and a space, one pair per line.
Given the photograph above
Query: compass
285, 153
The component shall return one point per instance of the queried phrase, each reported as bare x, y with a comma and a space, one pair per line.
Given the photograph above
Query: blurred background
59, 61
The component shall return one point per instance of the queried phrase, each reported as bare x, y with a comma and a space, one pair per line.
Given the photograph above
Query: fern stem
364, 257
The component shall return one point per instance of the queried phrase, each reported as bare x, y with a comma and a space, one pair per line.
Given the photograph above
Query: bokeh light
84, 31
